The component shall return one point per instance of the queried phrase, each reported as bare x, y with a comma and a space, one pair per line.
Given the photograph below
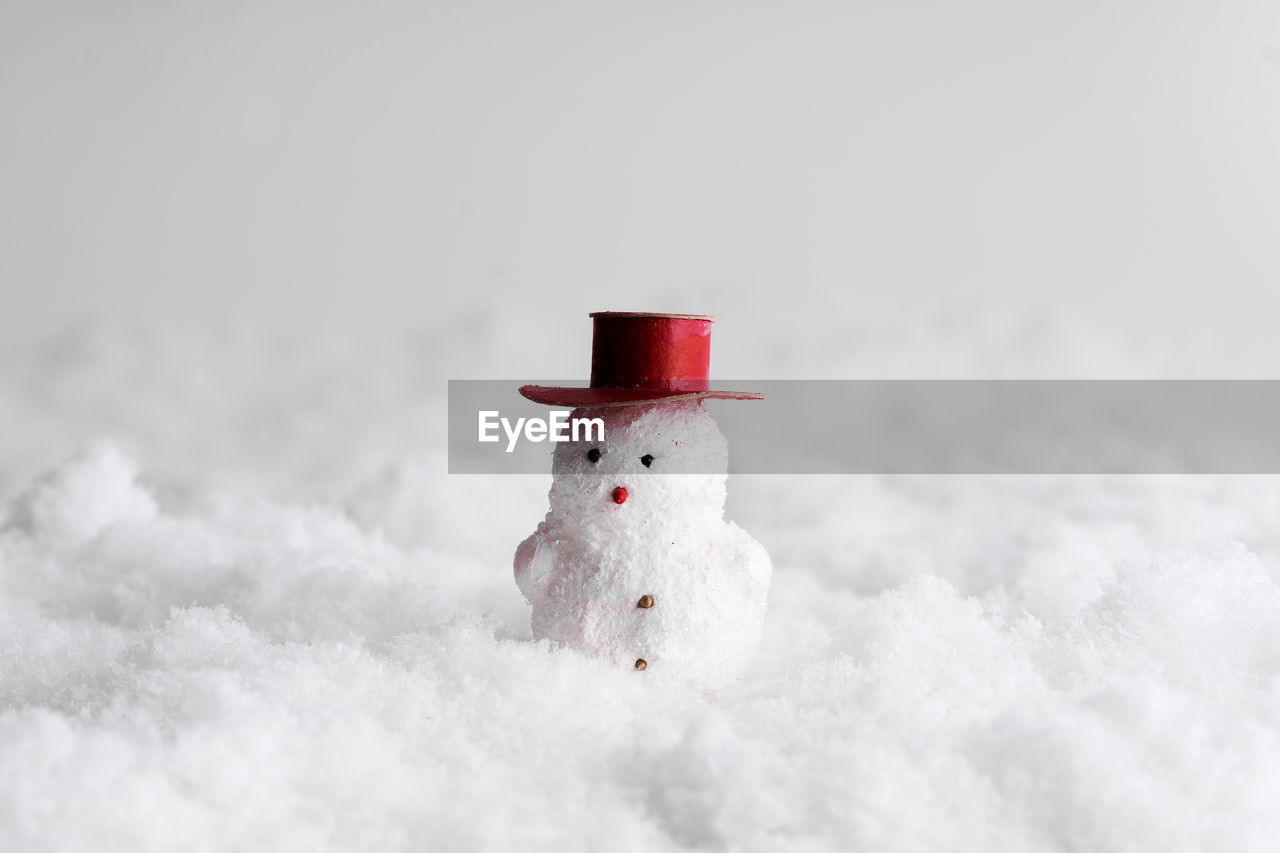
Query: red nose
619, 495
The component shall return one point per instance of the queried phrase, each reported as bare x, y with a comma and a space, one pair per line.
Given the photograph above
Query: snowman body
634, 562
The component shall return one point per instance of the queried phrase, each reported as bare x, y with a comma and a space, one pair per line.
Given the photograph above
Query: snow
77, 501
196, 656
594, 557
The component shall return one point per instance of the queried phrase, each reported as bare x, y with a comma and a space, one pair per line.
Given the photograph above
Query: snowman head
659, 465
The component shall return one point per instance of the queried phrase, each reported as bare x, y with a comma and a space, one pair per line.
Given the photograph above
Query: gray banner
934, 427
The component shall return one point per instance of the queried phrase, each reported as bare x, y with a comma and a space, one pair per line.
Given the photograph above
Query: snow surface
196, 655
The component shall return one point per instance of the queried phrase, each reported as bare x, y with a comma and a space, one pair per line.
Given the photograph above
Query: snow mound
84, 496
251, 675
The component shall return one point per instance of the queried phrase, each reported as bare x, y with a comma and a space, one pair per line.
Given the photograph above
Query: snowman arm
523, 564
524, 556
759, 566
752, 556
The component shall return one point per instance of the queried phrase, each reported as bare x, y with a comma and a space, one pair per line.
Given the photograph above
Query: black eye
646, 460
594, 454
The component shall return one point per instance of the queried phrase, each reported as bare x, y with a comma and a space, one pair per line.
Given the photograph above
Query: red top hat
643, 358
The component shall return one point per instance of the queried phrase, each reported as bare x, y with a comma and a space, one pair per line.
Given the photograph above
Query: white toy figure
634, 563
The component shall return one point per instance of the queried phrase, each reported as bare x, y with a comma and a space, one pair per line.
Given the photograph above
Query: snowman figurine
635, 563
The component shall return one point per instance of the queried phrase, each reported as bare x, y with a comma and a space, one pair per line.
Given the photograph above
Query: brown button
646, 601
640, 664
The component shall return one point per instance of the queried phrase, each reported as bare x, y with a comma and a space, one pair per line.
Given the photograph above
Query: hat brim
583, 397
